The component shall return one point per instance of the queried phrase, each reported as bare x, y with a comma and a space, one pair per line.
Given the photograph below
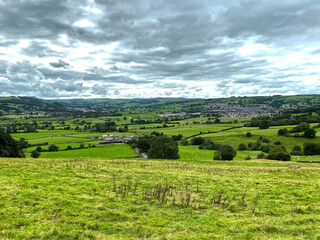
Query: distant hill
107, 102
18, 105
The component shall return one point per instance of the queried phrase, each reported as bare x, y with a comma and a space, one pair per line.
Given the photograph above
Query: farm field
152, 199
107, 151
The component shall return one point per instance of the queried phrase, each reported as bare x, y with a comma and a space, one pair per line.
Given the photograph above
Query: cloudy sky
154, 48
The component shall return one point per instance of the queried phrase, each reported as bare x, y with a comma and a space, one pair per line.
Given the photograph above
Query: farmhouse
116, 138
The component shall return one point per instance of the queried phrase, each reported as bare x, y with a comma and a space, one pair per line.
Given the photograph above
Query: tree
164, 148
242, 146
197, 140
264, 124
279, 153
9, 147
310, 133
225, 152
311, 149
35, 154
282, 131
53, 148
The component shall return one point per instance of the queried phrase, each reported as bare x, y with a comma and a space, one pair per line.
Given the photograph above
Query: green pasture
43, 133
235, 136
194, 154
57, 140
189, 130
63, 146
80, 198
107, 151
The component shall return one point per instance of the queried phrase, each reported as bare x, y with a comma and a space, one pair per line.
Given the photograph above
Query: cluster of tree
279, 153
160, 147
104, 127
282, 120
9, 147
308, 132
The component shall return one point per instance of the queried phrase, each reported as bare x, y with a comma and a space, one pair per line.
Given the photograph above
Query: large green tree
164, 148
9, 147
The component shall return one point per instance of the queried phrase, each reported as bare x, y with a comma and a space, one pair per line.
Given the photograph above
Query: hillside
26, 105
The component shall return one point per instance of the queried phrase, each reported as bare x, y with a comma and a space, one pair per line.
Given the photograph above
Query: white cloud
84, 23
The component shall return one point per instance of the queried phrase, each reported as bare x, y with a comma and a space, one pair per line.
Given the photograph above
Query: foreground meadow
158, 199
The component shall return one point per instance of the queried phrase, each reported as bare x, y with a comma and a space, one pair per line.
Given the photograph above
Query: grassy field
108, 151
144, 199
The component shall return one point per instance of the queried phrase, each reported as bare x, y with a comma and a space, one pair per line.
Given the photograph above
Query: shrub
197, 141
265, 148
69, 147
208, 145
248, 134
282, 156
310, 133
261, 155
311, 149
264, 139
53, 148
296, 153
247, 158
277, 143
297, 148
279, 153
39, 149
264, 125
242, 146
184, 142
81, 145
282, 131
35, 154
225, 152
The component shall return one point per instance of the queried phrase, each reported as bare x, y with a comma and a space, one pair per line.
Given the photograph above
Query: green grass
57, 140
189, 130
43, 133
95, 199
108, 151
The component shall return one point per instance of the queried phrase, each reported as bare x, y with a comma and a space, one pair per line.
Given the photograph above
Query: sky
147, 49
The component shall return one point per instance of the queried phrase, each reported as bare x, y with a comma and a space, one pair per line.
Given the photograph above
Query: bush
261, 155
311, 149
264, 139
248, 134
247, 158
265, 148
264, 125
310, 133
53, 148
296, 153
184, 142
35, 154
282, 131
164, 148
69, 147
277, 143
197, 141
242, 146
282, 156
39, 149
208, 145
297, 148
279, 153
225, 152
81, 145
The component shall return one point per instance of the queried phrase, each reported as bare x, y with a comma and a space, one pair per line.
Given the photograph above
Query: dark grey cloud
151, 48
60, 64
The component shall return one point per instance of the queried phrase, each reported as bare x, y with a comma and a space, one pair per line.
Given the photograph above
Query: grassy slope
85, 199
